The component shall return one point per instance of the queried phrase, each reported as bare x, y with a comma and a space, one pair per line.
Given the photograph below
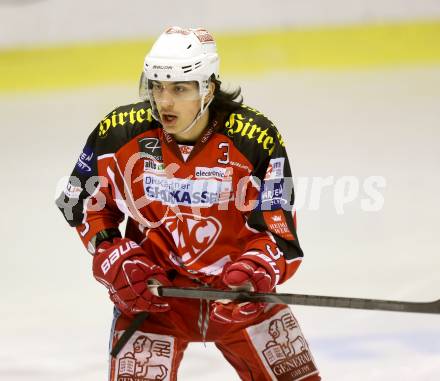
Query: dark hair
225, 100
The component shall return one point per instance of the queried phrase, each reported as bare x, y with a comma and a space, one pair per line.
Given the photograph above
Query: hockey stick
303, 300
275, 298
128, 333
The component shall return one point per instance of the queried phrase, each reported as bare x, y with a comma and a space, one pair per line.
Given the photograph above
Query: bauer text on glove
124, 268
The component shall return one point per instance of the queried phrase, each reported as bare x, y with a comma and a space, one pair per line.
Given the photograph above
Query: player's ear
211, 90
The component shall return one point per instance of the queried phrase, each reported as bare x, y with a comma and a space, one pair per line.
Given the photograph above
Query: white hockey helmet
181, 55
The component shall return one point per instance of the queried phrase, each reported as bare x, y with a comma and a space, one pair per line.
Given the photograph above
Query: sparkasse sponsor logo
175, 191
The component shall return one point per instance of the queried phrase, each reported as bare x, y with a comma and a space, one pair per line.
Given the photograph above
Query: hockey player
205, 185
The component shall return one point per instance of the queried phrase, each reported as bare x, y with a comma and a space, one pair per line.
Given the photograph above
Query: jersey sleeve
92, 201
88, 202
270, 231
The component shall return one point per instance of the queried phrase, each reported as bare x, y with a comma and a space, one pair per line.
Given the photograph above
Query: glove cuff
264, 261
109, 253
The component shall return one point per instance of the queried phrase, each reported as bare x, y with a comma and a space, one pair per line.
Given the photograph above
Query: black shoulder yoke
121, 125
254, 135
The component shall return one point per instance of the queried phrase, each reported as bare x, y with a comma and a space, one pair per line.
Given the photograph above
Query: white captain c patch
145, 357
282, 348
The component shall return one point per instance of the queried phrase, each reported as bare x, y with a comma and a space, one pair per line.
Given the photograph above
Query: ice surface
56, 318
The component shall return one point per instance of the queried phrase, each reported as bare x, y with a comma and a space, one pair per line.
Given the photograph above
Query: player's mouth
168, 119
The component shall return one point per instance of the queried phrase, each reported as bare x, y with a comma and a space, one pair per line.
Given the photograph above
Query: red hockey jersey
206, 205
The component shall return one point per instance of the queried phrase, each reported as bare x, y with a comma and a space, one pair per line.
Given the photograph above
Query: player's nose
166, 100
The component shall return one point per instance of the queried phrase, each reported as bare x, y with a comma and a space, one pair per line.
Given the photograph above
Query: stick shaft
304, 300
128, 333
298, 299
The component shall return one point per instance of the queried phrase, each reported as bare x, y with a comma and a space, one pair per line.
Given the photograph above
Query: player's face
177, 103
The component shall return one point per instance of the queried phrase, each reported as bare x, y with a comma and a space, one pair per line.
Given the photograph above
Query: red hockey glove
250, 273
123, 267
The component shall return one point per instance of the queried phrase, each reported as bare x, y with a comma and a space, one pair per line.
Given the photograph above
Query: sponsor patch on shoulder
72, 191
272, 195
84, 163
282, 348
276, 223
275, 169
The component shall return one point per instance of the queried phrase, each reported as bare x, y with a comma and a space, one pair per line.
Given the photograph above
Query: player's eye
180, 89
157, 86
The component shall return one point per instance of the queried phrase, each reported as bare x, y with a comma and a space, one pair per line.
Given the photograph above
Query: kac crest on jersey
193, 235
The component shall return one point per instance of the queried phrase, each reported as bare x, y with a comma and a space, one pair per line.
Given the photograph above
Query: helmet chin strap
199, 114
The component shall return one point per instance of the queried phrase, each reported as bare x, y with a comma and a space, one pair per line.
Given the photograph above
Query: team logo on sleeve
84, 163
282, 348
272, 195
72, 191
276, 223
275, 169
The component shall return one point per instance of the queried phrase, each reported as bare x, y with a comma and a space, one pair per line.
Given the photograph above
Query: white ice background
55, 317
